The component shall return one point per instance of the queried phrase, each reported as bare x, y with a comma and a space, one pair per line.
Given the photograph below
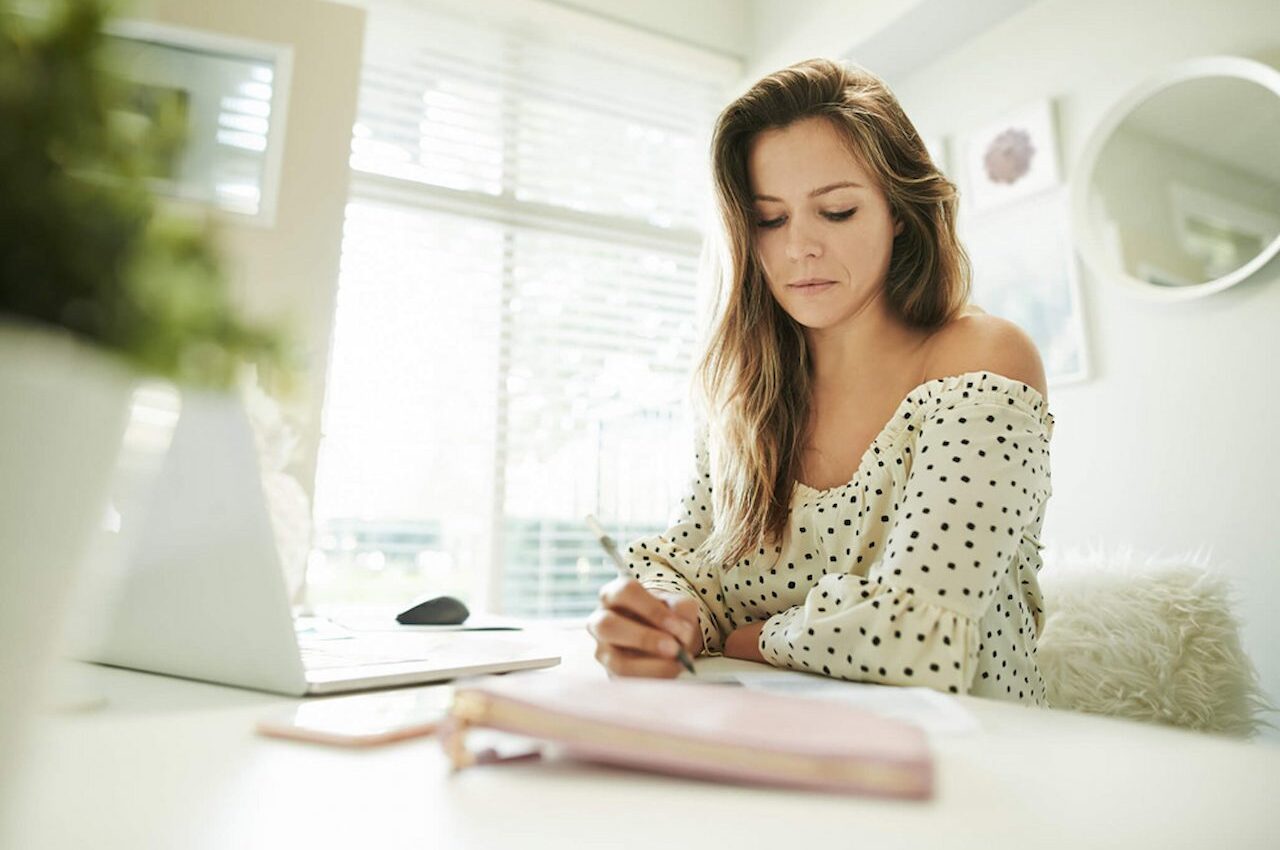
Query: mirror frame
1086, 240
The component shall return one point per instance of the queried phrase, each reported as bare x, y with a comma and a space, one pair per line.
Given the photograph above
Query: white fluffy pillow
1155, 640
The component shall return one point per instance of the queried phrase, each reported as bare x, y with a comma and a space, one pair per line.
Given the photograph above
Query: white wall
720, 25
787, 32
1169, 445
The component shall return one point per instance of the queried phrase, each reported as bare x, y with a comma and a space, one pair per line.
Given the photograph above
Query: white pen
607, 543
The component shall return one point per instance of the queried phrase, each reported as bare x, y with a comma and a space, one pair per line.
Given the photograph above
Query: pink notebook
720, 732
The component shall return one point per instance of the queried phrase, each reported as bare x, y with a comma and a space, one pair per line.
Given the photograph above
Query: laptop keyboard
330, 654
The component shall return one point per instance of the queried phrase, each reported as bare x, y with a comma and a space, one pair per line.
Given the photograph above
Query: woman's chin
814, 320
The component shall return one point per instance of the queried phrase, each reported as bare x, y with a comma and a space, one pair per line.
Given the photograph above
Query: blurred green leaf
83, 245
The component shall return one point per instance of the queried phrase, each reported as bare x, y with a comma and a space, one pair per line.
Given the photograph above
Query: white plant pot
64, 406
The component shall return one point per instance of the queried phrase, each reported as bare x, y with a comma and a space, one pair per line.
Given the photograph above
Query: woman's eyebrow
816, 192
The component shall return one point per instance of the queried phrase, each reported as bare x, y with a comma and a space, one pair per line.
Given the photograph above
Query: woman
873, 473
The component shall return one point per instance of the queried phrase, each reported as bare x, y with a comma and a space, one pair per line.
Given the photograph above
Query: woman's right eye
773, 222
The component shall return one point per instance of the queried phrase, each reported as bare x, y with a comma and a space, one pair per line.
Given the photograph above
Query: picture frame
1012, 158
1024, 270
218, 107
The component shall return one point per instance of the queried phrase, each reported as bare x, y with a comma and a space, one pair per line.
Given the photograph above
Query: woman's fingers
675, 614
627, 594
685, 610
620, 661
619, 629
639, 633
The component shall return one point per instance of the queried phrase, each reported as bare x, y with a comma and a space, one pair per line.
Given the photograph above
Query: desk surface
172, 763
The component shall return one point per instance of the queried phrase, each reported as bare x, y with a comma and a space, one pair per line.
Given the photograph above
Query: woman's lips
812, 288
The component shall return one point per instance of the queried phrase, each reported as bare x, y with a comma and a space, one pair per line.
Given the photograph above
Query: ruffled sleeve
668, 561
975, 480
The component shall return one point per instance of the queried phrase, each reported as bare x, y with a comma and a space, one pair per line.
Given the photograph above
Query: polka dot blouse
921, 570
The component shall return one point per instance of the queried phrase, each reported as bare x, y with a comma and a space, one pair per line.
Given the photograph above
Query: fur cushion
1146, 639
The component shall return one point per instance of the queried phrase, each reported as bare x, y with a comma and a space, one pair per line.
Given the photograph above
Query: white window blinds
515, 325
534, 113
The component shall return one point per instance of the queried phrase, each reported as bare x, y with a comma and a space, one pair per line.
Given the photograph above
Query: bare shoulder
981, 342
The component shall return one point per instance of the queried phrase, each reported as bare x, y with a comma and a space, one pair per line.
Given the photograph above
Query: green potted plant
99, 286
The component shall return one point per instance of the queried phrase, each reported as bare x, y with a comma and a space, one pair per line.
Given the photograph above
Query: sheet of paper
935, 712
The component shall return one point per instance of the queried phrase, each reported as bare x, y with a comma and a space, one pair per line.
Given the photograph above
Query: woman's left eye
841, 216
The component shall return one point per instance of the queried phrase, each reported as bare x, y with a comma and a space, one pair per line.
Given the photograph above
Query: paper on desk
383, 620
932, 711
359, 624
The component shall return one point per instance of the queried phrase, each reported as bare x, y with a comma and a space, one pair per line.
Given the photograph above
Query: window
516, 324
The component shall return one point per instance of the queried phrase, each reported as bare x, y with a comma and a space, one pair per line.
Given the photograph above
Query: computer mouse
437, 611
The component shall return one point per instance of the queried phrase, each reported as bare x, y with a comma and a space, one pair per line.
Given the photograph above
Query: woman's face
818, 216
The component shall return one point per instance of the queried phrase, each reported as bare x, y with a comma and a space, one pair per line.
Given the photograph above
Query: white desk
169, 763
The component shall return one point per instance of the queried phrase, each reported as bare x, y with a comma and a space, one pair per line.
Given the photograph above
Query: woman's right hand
636, 629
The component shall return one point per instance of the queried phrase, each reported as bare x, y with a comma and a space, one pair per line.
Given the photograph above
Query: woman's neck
873, 350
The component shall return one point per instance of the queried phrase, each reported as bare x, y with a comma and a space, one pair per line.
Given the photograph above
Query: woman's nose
801, 243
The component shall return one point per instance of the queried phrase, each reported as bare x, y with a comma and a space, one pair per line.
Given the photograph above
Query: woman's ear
898, 225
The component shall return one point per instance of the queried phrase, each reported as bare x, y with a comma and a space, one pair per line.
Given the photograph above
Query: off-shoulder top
921, 570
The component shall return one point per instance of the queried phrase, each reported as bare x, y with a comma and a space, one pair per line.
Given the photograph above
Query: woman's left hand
744, 643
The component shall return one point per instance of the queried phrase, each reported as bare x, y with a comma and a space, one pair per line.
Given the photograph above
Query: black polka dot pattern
921, 570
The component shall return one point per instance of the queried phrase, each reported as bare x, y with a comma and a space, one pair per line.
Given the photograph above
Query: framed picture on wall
1025, 271
1011, 159
210, 109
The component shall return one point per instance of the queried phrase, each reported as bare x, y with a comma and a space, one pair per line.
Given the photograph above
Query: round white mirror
1178, 191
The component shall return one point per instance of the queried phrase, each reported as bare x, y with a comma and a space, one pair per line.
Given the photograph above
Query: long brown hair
753, 378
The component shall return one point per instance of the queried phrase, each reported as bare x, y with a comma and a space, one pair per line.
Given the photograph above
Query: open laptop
198, 590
